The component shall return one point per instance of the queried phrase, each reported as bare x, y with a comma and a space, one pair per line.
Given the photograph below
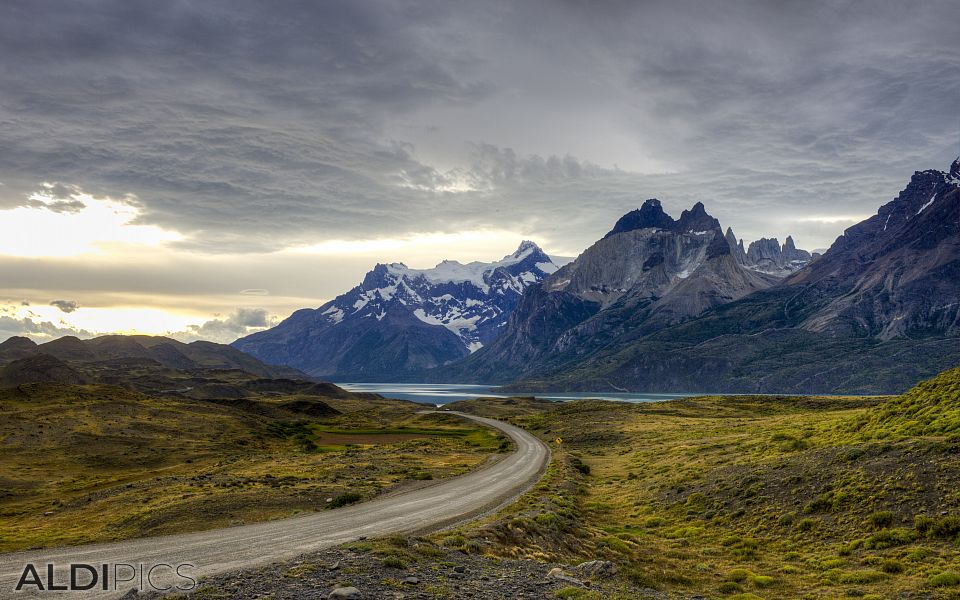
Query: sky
202, 169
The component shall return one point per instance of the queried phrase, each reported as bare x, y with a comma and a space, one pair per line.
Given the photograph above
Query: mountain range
878, 311
401, 320
657, 304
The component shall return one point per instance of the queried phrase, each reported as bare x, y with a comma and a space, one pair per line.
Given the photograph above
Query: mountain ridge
874, 314
648, 271
400, 320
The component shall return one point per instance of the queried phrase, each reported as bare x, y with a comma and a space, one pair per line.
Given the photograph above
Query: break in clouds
19, 321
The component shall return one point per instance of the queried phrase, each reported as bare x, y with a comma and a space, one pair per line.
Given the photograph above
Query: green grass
772, 497
99, 463
932, 408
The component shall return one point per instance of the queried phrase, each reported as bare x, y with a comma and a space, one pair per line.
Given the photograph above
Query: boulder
595, 568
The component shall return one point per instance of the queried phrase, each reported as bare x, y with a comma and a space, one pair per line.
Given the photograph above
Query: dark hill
41, 368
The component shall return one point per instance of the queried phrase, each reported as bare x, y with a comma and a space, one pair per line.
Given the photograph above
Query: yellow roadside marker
559, 440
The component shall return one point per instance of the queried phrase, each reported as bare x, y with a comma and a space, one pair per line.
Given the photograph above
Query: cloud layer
247, 125
229, 128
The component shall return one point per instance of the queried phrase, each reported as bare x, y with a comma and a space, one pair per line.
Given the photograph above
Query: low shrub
945, 579
345, 499
579, 465
881, 519
891, 566
762, 581
393, 562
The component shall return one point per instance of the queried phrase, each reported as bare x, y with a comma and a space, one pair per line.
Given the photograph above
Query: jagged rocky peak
650, 215
764, 249
768, 256
923, 191
696, 220
791, 253
736, 246
527, 245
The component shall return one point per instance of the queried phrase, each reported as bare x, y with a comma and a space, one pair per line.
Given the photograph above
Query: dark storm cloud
252, 125
67, 306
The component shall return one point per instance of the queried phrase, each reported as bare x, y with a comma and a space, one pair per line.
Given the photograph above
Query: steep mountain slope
401, 320
648, 272
877, 312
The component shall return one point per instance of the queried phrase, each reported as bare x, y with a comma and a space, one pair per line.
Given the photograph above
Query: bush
786, 519
861, 577
946, 579
881, 519
923, 524
729, 587
889, 538
739, 575
762, 581
345, 499
654, 522
891, 566
946, 528
454, 541
427, 550
393, 562
807, 525
579, 465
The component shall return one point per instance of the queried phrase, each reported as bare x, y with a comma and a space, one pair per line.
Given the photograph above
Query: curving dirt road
447, 502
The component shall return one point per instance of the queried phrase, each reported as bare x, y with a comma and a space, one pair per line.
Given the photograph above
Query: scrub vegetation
93, 463
747, 497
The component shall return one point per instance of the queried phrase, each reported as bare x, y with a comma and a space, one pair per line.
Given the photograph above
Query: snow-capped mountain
401, 319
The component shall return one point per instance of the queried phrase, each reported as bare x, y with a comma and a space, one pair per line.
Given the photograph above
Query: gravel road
444, 503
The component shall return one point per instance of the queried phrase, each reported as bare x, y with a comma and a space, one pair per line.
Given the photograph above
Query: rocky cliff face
649, 271
877, 312
401, 320
896, 274
766, 255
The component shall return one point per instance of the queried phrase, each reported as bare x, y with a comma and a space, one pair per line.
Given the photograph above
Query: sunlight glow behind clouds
45, 323
51, 225
423, 250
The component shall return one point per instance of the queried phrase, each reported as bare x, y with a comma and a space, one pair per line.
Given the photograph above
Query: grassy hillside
87, 463
746, 497
932, 408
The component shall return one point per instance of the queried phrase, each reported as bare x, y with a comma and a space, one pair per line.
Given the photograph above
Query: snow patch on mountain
929, 202
471, 300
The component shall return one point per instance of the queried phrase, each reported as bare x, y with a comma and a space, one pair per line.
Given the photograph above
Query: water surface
443, 393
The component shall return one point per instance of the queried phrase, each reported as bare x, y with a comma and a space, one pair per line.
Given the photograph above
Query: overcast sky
209, 166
